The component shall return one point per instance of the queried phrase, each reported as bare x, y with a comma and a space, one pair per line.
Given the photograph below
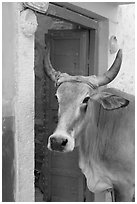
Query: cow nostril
64, 142
52, 140
57, 143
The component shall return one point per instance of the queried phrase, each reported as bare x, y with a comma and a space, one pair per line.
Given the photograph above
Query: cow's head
75, 94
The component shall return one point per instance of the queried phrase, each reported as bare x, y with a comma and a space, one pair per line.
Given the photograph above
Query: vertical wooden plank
93, 55
98, 55
84, 45
103, 37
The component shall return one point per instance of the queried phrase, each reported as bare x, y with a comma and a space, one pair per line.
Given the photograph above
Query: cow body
105, 138
106, 148
101, 123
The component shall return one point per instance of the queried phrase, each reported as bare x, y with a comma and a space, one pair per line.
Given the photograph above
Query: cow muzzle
60, 143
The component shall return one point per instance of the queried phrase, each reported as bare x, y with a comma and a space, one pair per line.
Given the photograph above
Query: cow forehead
72, 90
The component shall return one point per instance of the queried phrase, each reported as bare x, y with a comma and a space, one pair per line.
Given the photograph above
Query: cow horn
108, 76
50, 71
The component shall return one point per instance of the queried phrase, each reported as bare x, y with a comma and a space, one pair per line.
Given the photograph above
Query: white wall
24, 105
124, 30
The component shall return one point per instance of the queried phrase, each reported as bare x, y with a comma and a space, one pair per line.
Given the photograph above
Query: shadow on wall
7, 159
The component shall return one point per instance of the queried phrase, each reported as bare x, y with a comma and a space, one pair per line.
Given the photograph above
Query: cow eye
84, 104
86, 99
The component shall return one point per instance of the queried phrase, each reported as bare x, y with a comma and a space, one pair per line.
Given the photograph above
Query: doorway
72, 50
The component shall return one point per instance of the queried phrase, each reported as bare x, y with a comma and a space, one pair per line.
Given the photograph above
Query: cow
101, 123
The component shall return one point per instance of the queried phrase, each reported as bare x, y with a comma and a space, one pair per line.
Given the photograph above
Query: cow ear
110, 101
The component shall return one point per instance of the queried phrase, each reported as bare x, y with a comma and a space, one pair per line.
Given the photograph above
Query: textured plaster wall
124, 29
24, 110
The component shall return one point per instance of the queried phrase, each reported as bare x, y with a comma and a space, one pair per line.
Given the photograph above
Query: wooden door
61, 177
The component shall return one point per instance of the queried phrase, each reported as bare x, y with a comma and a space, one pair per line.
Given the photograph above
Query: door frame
97, 24
26, 27
99, 31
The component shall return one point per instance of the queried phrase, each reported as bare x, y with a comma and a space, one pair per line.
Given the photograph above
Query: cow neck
88, 142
